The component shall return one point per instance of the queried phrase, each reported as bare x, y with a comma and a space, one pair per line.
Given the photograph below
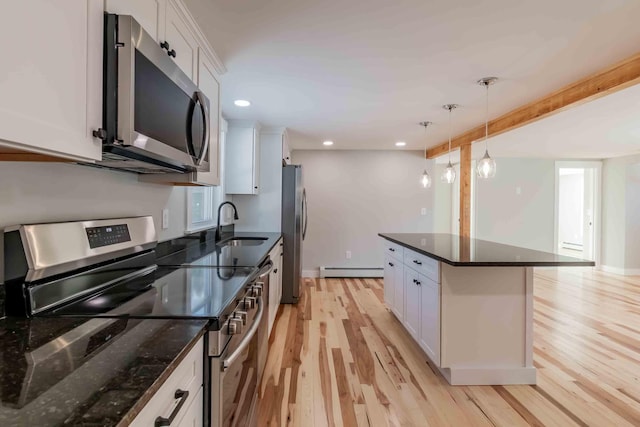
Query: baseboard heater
351, 272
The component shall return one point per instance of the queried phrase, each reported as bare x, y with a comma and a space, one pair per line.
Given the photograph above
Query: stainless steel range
106, 269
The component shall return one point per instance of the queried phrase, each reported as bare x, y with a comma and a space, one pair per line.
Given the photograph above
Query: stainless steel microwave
155, 120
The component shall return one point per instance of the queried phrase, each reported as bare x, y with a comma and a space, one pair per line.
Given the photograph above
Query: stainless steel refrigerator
294, 230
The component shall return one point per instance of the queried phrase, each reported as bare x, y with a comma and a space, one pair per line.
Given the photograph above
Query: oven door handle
265, 270
226, 363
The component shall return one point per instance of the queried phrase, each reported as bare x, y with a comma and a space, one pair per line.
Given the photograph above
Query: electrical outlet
518, 191
423, 211
348, 254
165, 219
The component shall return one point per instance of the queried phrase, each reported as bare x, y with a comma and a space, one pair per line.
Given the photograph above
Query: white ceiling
364, 73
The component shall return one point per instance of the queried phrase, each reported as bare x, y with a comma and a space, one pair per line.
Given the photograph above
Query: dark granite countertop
463, 251
54, 373
208, 254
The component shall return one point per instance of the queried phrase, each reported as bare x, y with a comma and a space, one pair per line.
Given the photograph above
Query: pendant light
426, 179
486, 167
449, 174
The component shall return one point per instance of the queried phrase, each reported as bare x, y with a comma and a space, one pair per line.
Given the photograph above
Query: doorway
577, 209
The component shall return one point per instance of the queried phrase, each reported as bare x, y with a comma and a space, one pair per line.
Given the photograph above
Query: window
199, 208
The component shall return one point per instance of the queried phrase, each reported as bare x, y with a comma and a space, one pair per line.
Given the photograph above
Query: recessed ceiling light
327, 143
400, 144
241, 103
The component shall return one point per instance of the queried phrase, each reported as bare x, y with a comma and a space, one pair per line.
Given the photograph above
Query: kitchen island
467, 302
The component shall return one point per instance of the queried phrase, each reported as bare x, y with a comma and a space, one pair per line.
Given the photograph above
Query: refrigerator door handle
306, 216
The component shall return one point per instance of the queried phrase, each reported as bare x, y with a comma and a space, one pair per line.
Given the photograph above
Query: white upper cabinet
51, 79
242, 168
182, 43
286, 151
149, 14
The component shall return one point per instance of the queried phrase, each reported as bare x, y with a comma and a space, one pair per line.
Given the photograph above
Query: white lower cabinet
180, 397
412, 292
389, 277
394, 286
430, 319
412, 283
275, 283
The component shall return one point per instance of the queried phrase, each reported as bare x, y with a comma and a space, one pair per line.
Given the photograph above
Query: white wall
525, 219
49, 192
354, 195
621, 214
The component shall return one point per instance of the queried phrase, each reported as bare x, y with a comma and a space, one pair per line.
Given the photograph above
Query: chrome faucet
235, 216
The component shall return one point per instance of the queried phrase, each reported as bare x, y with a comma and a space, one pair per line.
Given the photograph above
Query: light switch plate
165, 219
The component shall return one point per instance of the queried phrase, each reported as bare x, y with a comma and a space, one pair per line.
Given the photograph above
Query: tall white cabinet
51, 80
263, 211
242, 157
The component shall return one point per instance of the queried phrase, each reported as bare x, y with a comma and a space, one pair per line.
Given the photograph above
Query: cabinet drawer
186, 377
393, 249
423, 264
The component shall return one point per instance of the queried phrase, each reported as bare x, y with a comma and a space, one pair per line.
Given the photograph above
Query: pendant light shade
449, 174
425, 180
486, 167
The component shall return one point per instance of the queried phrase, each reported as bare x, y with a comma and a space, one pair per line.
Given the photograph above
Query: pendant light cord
486, 122
426, 125
450, 108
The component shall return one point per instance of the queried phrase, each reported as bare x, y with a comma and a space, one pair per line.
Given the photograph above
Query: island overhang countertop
464, 251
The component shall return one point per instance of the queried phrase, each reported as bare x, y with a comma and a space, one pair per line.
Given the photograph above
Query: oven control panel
107, 235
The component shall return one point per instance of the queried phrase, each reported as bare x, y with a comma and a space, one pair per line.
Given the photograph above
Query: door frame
597, 201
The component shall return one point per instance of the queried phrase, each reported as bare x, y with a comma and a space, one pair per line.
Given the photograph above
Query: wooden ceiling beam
609, 80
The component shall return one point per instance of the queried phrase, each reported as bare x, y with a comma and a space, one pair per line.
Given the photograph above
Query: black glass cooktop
178, 293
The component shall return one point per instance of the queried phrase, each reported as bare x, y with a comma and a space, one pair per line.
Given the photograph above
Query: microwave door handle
201, 100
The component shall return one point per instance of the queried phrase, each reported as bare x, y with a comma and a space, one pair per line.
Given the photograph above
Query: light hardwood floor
339, 358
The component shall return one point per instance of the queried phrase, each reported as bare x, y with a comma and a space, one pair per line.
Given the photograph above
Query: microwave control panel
107, 235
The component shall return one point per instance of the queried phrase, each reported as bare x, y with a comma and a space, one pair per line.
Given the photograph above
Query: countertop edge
491, 264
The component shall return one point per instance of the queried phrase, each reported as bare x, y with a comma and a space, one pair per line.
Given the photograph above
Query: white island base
468, 303
486, 325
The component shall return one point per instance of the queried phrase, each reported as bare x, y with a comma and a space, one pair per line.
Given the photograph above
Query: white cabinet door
412, 284
51, 78
286, 151
430, 319
242, 167
181, 41
398, 290
149, 14
208, 82
390, 268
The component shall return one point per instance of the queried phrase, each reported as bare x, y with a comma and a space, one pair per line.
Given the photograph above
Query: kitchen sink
242, 241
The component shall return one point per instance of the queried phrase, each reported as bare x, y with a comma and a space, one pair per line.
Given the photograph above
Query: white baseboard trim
312, 274
620, 271
351, 272
489, 376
